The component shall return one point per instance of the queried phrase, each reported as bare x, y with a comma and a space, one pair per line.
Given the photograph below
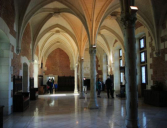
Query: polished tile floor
65, 110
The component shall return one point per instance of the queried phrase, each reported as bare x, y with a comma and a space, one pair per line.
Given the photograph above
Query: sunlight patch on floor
59, 95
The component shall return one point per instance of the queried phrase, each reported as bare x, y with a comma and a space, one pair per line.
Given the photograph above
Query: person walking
112, 86
99, 87
85, 86
108, 84
52, 85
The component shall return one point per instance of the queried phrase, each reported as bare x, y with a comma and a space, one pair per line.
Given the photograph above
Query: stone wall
7, 12
138, 25
16, 63
58, 63
159, 63
25, 52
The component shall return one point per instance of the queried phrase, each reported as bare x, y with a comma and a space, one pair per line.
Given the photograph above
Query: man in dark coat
109, 85
50, 88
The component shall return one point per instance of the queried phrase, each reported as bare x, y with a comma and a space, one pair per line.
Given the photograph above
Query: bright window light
120, 52
143, 72
122, 77
143, 57
120, 62
142, 43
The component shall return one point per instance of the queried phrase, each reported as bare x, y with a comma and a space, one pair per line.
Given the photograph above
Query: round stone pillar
76, 86
93, 98
128, 20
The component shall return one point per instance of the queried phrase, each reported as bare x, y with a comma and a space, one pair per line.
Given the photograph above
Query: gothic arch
114, 33
52, 27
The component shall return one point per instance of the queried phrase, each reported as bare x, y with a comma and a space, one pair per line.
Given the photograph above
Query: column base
132, 123
76, 92
81, 95
93, 104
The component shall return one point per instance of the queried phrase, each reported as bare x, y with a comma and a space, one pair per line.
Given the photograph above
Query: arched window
143, 63
121, 65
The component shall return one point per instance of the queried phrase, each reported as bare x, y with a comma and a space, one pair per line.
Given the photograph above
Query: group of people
99, 86
50, 86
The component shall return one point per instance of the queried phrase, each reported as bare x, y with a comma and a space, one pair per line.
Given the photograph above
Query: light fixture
133, 9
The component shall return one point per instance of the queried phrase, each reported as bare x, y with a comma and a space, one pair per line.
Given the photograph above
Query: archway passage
5, 96
58, 66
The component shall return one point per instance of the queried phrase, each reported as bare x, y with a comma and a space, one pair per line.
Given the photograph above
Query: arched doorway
25, 78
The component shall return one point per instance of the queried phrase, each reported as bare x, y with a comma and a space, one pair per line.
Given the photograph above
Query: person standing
85, 86
99, 87
49, 85
112, 86
108, 84
55, 86
52, 85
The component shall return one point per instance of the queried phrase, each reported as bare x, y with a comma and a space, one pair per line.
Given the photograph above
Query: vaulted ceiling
72, 24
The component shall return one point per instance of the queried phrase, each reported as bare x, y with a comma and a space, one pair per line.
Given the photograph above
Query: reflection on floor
66, 110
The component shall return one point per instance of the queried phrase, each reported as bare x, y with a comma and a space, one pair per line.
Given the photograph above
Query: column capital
92, 50
81, 59
18, 50
129, 18
157, 53
76, 65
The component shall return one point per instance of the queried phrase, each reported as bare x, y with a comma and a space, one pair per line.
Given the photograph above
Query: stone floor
65, 110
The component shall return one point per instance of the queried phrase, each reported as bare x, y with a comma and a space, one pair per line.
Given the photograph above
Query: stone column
76, 87
81, 79
35, 74
128, 19
104, 68
93, 98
